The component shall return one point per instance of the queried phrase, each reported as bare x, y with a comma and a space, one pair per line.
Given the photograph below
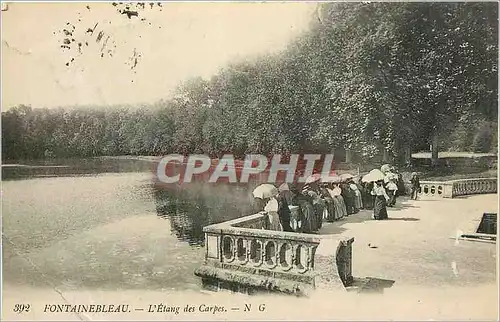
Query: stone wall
455, 188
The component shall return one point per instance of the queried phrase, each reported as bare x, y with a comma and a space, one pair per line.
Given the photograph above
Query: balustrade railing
454, 188
242, 246
474, 186
436, 189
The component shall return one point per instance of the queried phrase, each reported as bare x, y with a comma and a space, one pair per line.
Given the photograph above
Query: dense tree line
364, 77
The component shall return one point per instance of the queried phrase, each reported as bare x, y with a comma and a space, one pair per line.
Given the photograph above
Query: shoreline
425, 175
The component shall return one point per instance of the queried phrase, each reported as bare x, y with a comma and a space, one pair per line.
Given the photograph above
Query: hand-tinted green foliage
366, 77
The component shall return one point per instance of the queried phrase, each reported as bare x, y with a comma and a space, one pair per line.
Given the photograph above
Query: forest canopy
367, 77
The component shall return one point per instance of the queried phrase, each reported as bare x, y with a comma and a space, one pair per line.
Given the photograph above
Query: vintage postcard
271, 160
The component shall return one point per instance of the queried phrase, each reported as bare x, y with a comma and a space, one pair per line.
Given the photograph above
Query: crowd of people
303, 209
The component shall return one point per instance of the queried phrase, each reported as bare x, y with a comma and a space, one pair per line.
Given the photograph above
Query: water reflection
187, 218
189, 207
97, 232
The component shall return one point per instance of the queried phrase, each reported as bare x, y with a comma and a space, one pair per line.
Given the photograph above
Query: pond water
103, 224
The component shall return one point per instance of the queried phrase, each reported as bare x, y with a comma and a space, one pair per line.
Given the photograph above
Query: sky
183, 40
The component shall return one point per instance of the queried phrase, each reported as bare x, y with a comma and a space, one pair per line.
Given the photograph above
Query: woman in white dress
329, 212
392, 189
272, 214
358, 200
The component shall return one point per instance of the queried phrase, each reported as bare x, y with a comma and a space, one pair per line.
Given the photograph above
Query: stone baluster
270, 254
262, 252
228, 248
234, 249
248, 250
308, 259
243, 254
256, 252
286, 256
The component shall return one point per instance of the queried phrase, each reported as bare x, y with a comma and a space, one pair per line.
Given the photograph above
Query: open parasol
265, 191
374, 175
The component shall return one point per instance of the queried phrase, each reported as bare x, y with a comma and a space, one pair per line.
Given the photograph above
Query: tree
376, 78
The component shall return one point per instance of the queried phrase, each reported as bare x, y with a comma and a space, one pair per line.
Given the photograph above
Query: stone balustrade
440, 189
241, 254
474, 186
454, 188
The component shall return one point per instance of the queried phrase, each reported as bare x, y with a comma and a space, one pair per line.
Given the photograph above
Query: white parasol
374, 175
265, 191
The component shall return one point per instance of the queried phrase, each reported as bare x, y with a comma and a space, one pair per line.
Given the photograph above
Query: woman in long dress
339, 204
361, 189
367, 196
272, 208
284, 213
319, 204
296, 218
334, 214
306, 221
329, 214
358, 201
307, 215
381, 198
392, 189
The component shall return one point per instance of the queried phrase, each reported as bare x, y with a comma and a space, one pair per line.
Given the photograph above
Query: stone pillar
448, 190
330, 255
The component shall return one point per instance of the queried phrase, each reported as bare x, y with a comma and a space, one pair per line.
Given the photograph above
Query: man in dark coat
284, 213
415, 185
